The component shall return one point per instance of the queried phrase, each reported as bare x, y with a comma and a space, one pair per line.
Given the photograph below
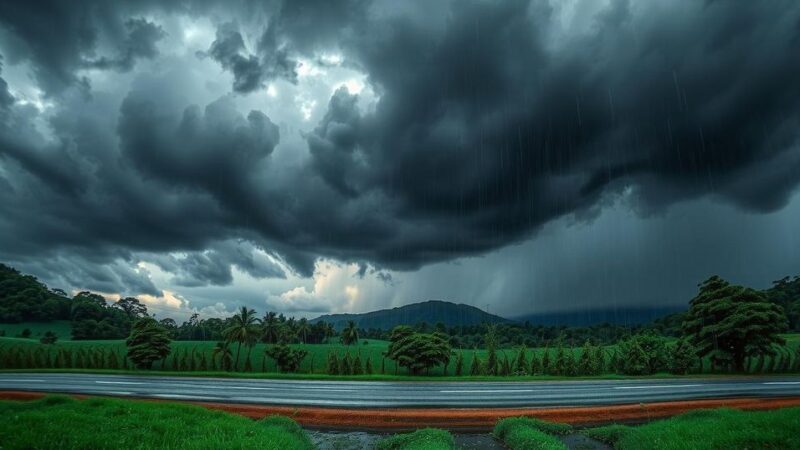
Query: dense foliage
730, 323
148, 342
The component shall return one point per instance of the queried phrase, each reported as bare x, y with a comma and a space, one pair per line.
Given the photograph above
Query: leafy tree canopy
730, 323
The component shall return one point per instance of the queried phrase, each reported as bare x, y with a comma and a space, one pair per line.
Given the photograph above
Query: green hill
430, 312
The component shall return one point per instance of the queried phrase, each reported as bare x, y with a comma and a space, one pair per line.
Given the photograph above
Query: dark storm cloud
59, 38
213, 266
140, 43
487, 128
491, 120
250, 72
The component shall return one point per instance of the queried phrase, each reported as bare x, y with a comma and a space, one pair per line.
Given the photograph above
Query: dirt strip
483, 418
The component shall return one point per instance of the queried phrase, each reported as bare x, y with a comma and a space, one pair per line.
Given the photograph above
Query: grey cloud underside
492, 120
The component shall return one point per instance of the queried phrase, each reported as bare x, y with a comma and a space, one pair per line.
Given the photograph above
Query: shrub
48, 338
424, 439
522, 433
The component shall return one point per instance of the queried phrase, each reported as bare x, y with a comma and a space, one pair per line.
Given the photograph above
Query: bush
522, 433
48, 338
610, 434
424, 439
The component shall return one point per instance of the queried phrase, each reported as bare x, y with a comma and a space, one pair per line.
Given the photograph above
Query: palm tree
329, 332
224, 352
350, 333
243, 330
271, 328
303, 328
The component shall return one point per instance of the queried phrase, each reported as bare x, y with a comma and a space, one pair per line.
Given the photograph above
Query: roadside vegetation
424, 439
65, 423
717, 428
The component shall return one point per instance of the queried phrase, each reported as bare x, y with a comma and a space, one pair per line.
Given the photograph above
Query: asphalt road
404, 394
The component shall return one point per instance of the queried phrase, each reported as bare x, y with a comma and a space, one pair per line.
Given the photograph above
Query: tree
243, 330
350, 333
642, 354
585, 363
223, 350
683, 358
491, 350
547, 367
357, 368
476, 368
148, 342
730, 323
521, 362
132, 307
48, 338
368, 368
418, 351
344, 365
459, 364
303, 328
271, 328
286, 358
333, 364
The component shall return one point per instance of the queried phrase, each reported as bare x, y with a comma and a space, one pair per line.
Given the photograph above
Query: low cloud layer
207, 139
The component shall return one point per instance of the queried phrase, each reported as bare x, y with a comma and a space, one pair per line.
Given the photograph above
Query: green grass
522, 433
424, 439
61, 328
314, 365
709, 429
64, 423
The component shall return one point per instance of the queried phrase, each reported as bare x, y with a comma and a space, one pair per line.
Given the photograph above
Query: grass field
712, 429
64, 423
314, 364
61, 328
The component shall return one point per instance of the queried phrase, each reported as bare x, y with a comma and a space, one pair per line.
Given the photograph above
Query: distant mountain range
430, 312
457, 314
619, 316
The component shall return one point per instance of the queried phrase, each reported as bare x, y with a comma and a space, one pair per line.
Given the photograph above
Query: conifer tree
345, 364
536, 366
459, 364
521, 366
333, 364
368, 366
547, 367
476, 368
585, 365
356, 367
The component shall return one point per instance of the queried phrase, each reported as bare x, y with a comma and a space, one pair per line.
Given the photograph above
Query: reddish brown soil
483, 418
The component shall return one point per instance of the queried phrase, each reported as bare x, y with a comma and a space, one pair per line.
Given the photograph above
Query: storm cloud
203, 137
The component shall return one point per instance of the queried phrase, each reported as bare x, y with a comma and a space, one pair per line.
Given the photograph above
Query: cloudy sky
311, 157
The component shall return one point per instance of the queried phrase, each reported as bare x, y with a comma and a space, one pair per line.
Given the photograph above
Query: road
373, 394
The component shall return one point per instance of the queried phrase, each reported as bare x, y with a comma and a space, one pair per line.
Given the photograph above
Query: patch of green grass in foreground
709, 429
523, 433
424, 439
64, 423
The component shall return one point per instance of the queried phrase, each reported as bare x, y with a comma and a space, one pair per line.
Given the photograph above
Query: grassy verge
522, 433
64, 423
719, 429
424, 439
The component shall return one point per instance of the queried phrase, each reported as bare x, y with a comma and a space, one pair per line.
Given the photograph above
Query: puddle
581, 442
357, 440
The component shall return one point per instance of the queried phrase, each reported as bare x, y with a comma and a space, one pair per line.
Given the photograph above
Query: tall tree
242, 330
148, 342
730, 323
350, 333
223, 350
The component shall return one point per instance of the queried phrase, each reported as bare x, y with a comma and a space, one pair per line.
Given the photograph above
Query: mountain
619, 316
431, 312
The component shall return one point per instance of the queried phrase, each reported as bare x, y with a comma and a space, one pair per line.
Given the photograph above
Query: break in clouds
211, 154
